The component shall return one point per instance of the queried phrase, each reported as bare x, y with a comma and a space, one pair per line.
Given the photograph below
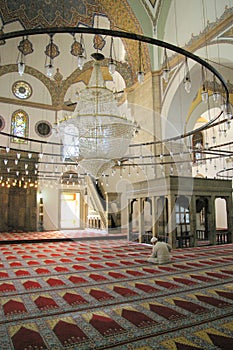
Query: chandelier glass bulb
198, 145
96, 135
165, 67
141, 76
165, 74
21, 68
204, 96
216, 96
187, 79
49, 70
81, 60
187, 84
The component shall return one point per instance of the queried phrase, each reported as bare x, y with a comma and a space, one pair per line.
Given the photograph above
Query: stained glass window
19, 126
182, 215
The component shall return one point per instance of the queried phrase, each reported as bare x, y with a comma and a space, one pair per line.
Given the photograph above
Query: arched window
221, 214
19, 126
162, 209
182, 215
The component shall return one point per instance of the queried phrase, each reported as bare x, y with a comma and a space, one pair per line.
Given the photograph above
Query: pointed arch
19, 126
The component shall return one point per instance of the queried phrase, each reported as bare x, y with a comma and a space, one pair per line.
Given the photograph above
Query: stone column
141, 220
129, 216
229, 209
154, 217
171, 220
192, 218
212, 221
157, 131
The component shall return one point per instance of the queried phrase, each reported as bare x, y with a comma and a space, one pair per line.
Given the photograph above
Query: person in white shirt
160, 252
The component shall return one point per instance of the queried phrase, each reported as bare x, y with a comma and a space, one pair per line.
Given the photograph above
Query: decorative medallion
22, 89
43, 128
58, 76
25, 47
52, 50
2, 123
99, 42
76, 48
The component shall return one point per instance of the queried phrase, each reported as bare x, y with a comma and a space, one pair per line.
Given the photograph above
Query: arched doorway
221, 222
202, 224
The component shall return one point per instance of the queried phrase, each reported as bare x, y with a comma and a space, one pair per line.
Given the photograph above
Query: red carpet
102, 294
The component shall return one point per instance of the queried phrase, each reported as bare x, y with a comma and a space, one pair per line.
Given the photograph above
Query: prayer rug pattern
104, 295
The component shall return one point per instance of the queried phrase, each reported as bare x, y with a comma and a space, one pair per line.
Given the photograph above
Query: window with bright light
19, 126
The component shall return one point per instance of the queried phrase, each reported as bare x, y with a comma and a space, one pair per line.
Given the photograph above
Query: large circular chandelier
96, 135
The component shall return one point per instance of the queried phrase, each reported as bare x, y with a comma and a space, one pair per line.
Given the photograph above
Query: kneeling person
160, 252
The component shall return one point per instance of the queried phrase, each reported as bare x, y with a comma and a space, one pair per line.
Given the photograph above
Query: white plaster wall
40, 93
187, 18
50, 196
221, 217
34, 115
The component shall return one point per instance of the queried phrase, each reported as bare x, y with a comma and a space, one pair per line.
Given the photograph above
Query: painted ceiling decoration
220, 26
91, 14
153, 2
34, 14
74, 13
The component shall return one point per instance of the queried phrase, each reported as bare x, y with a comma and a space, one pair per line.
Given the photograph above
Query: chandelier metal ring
96, 92
119, 34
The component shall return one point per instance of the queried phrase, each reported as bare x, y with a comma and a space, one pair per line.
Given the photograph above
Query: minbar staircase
104, 204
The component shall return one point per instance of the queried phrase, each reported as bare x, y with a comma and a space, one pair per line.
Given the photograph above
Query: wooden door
21, 209
17, 209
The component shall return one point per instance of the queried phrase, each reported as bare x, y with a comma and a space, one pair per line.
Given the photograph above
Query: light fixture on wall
187, 79
166, 68
25, 48
96, 135
82, 53
140, 73
204, 93
51, 51
228, 115
216, 94
21, 63
78, 50
112, 64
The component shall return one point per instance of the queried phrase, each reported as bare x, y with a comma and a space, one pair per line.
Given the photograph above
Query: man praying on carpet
160, 252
